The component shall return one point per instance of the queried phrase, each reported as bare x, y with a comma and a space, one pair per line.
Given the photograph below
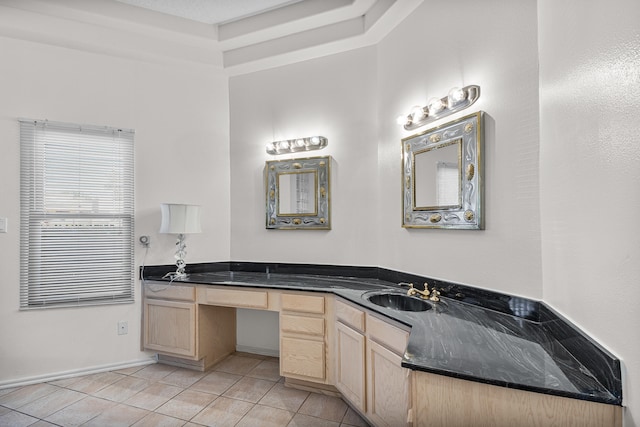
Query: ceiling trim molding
24, 24
373, 26
295, 32
278, 17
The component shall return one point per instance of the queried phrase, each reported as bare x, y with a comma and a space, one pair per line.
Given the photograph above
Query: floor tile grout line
152, 379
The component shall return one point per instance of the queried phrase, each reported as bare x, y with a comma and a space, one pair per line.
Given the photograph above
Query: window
77, 213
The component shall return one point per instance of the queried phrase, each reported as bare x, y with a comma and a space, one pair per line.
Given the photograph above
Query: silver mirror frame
467, 216
321, 217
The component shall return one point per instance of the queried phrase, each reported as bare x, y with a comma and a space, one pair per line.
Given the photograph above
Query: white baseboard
258, 350
75, 373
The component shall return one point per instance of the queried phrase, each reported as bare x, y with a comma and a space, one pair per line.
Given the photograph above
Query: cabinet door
170, 327
350, 365
388, 390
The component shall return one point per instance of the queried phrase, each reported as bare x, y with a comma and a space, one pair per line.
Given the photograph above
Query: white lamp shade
180, 219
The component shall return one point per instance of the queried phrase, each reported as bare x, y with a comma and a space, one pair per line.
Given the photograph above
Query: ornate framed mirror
298, 193
442, 168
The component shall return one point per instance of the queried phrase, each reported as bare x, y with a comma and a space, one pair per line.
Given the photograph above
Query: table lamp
180, 219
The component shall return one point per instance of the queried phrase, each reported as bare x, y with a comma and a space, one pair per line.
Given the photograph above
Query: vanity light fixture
456, 100
298, 144
180, 219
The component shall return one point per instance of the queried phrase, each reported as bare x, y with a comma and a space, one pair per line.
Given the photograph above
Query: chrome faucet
433, 295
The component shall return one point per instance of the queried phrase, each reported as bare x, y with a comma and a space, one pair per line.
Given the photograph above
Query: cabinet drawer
302, 325
234, 298
390, 336
170, 291
302, 303
350, 316
304, 358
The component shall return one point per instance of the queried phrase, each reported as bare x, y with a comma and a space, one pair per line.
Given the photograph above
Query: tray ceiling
210, 11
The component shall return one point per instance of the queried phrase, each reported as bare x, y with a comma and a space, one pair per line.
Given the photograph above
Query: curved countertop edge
343, 286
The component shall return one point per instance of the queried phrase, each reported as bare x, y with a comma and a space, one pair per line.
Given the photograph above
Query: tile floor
243, 390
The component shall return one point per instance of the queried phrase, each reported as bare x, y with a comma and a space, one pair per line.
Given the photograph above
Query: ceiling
238, 36
210, 11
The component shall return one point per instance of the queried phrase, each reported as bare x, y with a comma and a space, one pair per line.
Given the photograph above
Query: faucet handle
435, 294
412, 291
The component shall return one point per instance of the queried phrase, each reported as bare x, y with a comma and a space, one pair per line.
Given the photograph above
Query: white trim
75, 373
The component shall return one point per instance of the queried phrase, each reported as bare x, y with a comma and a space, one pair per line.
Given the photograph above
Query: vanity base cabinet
302, 358
303, 337
369, 371
184, 333
170, 327
350, 366
442, 401
388, 383
388, 391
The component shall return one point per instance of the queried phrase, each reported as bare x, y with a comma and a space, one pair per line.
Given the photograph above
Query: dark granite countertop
472, 334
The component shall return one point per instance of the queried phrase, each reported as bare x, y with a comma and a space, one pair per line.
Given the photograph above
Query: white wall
333, 97
180, 115
445, 44
353, 99
589, 103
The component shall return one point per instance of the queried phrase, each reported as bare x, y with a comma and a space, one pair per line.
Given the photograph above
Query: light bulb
283, 145
435, 106
455, 96
299, 143
315, 140
271, 147
417, 113
402, 119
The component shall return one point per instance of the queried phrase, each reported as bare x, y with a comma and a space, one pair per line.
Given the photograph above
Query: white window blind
77, 212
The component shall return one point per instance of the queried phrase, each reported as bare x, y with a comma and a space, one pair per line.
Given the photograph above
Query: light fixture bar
456, 100
295, 145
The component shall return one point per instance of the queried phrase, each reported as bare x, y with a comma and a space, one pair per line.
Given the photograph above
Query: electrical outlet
123, 327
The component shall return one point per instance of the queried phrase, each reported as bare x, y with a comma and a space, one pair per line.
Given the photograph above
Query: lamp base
181, 252
175, 275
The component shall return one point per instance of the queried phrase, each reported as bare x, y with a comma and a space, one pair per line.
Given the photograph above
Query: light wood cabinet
388, 383
442, 401
243, 298
369, 373
388, 387
327, 341
303, 338
350, 366
183, 332
170, 327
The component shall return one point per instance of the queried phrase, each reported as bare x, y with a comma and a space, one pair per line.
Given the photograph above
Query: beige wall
180, 116
589, 156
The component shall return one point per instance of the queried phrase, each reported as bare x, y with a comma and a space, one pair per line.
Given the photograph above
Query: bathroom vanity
473, 358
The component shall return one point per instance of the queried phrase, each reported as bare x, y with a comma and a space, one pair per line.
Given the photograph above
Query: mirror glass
298, 193
436, 176
442, 176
